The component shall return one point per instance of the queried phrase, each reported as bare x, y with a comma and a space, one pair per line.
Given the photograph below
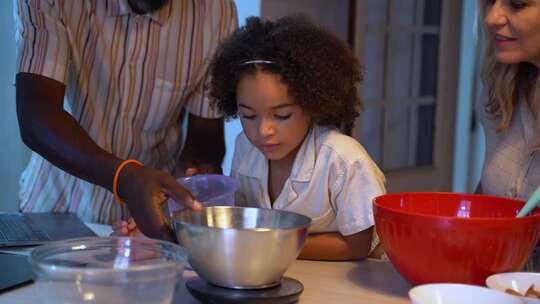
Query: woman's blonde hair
508, 83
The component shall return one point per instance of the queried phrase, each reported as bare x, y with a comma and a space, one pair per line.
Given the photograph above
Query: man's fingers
149, 216
180, 194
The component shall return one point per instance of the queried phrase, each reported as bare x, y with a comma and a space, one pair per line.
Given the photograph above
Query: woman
510, 111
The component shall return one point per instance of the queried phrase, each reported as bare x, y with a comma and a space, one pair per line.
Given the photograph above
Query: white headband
257, 62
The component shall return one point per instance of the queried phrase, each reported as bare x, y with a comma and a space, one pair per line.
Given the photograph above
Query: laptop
29, 229
18, 231
16, 271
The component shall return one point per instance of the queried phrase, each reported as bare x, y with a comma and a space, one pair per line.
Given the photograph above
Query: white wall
245, 8
13, 154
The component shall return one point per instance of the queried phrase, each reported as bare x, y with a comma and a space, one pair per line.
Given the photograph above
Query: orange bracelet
117, 175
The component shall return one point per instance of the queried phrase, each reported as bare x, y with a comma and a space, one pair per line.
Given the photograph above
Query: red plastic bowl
454, 238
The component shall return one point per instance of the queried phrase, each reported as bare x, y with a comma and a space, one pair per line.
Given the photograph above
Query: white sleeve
355, 188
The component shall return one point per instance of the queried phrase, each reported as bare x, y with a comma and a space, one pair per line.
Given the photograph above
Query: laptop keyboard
19, 228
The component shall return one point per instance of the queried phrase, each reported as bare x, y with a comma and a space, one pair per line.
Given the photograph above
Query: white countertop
367, 281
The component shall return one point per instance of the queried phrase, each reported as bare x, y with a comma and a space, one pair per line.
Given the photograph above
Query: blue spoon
532, 202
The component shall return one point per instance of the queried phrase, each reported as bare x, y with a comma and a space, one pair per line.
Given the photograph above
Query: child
293, 84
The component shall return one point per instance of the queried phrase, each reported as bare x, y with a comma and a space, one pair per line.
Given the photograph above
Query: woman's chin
509, 57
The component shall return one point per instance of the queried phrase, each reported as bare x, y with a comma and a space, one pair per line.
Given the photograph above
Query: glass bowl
107, 270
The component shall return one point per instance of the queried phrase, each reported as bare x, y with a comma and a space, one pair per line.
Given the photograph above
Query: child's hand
194, 167
126, 228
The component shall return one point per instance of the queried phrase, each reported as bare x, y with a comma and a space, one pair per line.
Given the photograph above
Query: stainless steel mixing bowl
243, 248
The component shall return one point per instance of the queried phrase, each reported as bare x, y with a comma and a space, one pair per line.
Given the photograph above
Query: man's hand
144, 190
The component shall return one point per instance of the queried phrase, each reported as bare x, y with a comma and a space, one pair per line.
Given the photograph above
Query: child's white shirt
333, 181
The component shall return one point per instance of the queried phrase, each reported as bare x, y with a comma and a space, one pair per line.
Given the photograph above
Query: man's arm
204, 148
53, 133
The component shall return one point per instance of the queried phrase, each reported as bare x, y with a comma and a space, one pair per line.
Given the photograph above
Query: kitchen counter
367, 281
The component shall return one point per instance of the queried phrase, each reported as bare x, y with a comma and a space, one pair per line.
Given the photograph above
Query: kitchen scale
288, 291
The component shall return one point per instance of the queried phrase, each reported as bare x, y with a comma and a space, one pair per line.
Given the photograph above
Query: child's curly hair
320, 71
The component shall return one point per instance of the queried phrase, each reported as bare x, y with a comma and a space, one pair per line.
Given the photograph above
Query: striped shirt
128, 80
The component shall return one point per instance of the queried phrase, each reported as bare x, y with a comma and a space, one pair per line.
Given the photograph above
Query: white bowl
518, 281
459, 294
